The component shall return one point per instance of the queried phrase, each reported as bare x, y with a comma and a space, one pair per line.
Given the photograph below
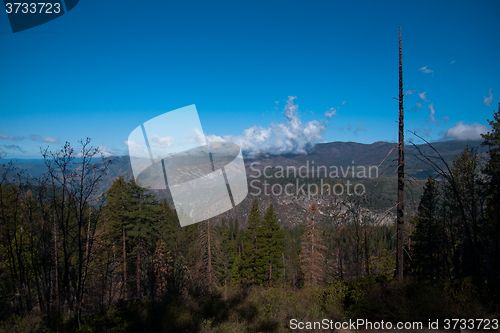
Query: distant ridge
291, 211
323, 154
378, 153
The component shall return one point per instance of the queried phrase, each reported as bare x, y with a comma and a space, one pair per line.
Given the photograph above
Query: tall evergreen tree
429, 259
115, 215
143, 214
131, 215
469, 201
117, 218
492, 170
269, 249
247, 261
229, 247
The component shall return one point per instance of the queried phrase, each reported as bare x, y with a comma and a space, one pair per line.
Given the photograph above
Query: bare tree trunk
340, 266
139, 270
55, 266
111, 293
401, 168
209, 258
87, 255
124, 267
367, 257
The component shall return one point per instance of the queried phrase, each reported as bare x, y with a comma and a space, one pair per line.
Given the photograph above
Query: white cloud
452, 62
199, 139
105, 152
11, 137
422, 96
445, 119
431, 119
432, 112
410, 92
289, 136
487, 100
161, 142
463, 131
50, 140
137, 148
343, 103
330, 112
425, 70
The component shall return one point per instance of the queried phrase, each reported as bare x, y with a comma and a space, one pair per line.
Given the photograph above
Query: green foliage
83, 269
132, 216
429, 258
259, 309
269, 249
130, 208
262, 259
247, 262
492, 172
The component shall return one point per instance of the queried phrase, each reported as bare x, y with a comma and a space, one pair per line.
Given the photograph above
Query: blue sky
107, 66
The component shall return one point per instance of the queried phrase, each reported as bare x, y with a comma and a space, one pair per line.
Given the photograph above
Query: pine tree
247, 261
429, 257
143, 215
492, 170
131, 214
269, 249
118, 219
162, 268
229, 248
468, 200
169, 232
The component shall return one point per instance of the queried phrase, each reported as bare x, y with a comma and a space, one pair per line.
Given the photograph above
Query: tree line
65, 249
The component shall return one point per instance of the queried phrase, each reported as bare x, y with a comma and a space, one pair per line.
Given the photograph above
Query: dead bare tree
401, 174
210, 257
311, 256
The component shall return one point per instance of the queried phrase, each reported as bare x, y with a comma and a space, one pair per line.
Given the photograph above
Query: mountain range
382, 190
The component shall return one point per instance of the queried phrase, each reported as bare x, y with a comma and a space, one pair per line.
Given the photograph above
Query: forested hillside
78, 255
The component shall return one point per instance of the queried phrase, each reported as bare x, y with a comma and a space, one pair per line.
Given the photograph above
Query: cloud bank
463, 131
289, 136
